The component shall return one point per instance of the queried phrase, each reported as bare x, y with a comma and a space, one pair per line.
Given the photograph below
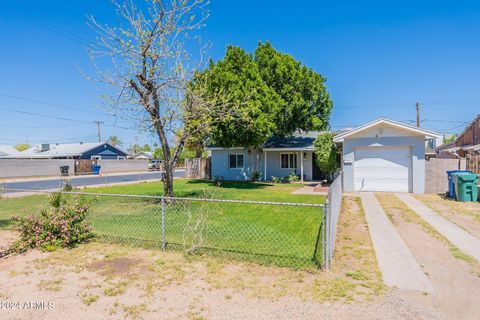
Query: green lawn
281, 234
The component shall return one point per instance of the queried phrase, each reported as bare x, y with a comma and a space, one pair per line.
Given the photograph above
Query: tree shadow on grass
245, 185
5, 223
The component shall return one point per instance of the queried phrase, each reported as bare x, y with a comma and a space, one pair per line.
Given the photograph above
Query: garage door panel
382, 169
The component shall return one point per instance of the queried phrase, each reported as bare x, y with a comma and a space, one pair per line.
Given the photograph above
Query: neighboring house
384, 155
90, 151
6, 150
143, 155
279, 157
466, 142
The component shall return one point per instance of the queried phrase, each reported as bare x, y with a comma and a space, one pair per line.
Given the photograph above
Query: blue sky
379, 58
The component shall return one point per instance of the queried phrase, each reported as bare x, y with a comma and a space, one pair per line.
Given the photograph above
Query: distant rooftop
6, 150
56, 150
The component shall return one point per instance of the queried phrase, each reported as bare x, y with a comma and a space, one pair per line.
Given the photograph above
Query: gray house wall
220, 164
274, 169
417, 143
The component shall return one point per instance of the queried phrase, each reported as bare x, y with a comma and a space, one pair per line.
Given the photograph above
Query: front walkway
456, 235
397, 263
310, 189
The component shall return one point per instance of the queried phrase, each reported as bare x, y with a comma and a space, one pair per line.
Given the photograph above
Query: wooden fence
198, 168
473, 163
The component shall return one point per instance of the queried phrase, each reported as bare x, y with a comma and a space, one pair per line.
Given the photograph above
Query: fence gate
84, 166
198, 168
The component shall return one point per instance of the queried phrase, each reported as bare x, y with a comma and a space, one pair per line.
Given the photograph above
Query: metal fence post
164, 235
327, 234
324, 236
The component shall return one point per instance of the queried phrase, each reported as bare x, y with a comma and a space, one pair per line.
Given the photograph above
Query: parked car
155, 165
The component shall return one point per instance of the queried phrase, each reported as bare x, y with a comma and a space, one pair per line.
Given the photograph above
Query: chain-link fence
284, 234
333, 207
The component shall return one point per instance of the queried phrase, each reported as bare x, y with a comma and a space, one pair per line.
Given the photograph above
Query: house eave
427, 133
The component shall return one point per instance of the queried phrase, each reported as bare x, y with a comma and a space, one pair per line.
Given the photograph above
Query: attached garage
384, 155
383, 169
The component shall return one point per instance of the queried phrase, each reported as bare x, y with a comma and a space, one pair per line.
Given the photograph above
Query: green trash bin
466, 186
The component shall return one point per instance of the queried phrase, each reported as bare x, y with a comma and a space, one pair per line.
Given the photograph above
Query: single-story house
384, 155
142, 155
279, 157
82, 150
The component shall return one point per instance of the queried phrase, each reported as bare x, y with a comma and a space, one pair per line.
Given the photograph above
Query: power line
51, 104
58, 118
69, 35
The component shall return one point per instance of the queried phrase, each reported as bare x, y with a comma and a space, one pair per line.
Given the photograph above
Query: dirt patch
464, 214
113, 267
455, 281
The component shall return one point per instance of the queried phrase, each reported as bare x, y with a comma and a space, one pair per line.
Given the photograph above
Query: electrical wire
51, 104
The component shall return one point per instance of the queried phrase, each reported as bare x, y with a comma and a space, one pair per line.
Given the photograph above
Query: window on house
235, 161
95, 157
120, 158
288, 160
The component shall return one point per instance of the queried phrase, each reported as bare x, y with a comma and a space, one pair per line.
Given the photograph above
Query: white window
288, 160
120, 158
95, 157
235, 161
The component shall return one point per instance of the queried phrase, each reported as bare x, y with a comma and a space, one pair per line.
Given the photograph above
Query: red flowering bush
63, 225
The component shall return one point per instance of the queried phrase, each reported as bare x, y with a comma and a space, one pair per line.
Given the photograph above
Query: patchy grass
390, 203
116, 288
135, 311
471, 209
89, 299
51, 285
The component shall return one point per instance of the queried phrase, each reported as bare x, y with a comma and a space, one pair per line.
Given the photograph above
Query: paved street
88, 181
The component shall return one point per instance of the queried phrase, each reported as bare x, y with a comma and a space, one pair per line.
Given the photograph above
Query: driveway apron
397, 263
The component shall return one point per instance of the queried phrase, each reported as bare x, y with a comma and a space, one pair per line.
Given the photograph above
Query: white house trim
402, 126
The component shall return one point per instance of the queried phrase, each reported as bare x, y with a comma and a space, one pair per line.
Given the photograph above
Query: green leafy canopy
270, 93
325, 151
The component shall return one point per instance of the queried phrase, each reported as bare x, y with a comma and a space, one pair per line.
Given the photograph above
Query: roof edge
341, 137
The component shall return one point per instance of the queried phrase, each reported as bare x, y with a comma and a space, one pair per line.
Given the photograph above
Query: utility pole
98, 129
417, 106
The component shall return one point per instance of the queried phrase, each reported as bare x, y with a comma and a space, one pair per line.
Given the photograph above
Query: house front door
317, 174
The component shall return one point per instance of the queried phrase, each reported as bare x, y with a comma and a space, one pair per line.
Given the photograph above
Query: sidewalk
456, 235
397, 263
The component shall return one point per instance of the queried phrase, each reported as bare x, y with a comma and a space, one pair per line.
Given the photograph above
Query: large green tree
304, 101
274, 95
237, 77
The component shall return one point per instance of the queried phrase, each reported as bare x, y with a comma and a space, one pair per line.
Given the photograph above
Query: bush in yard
256, 176
291, 178
276, 179
64, 224
325, 152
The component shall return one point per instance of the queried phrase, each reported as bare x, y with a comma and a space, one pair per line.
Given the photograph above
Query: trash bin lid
467, 177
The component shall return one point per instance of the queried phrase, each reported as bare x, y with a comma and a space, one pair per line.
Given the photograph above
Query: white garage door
382, 169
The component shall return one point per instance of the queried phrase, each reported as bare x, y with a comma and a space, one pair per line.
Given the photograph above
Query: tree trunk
168, 183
